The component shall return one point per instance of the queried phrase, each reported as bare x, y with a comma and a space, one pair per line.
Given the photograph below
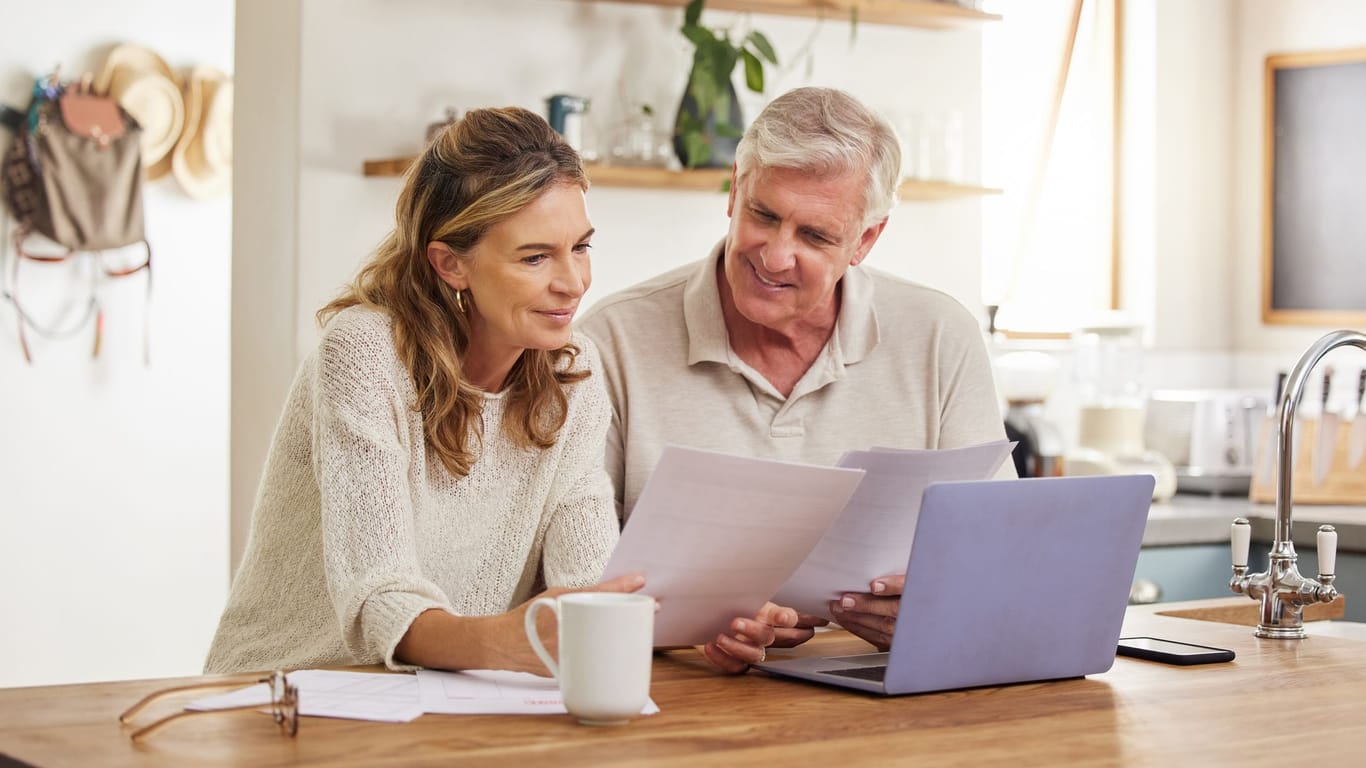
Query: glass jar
1108, 359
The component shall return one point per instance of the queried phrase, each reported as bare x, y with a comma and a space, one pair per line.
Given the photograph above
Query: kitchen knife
1356, 442
1270, 433
1326, 444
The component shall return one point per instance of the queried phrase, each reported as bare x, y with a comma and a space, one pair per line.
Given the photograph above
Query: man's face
792, 237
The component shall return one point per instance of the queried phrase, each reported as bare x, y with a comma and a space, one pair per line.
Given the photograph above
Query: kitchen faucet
1281, 588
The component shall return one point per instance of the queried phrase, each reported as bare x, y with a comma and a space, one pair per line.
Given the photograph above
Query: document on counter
493, 692
389, 698
872, 535
716, 535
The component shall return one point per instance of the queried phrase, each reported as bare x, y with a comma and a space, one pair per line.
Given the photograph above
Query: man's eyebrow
824, 234
821, 233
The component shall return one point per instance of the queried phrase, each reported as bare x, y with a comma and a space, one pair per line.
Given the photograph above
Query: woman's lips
559, 315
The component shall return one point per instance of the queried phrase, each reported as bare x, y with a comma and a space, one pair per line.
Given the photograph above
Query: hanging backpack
73, 174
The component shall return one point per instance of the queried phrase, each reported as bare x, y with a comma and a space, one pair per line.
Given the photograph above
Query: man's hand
734, 653
803, 630
872, 615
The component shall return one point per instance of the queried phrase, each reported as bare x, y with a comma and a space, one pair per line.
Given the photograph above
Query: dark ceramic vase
722, 145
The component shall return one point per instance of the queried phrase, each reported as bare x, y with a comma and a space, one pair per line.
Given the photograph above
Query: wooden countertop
1138, 713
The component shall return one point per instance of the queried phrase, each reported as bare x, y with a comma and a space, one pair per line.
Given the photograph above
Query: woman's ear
448, 265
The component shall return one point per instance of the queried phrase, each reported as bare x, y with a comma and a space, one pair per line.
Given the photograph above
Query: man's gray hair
826, 131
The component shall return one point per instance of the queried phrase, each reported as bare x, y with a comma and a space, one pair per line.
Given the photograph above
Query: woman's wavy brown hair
478, 172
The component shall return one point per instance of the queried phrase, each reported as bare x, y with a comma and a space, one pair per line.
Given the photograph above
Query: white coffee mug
606, 642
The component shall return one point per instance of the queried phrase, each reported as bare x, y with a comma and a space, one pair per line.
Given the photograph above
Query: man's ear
448, 265
730, 203
866, 241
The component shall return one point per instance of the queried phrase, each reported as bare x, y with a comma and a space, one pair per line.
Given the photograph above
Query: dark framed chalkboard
1314, 218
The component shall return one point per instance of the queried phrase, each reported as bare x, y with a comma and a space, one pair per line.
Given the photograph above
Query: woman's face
524, 280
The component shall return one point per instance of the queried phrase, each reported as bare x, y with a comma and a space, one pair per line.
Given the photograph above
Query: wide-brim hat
202, 159
141, 82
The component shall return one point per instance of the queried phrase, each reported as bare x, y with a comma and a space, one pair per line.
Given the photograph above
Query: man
779, 344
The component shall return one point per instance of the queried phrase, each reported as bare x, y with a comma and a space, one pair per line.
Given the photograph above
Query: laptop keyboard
861, 673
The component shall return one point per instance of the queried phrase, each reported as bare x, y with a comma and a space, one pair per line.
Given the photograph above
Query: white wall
1194, 172
1193, 175
1268, 27
422, 57
113, 485
113, 476
264, 242
1192, 234
1192, 138
371, 75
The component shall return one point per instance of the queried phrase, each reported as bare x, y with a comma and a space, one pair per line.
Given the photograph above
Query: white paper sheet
486, 691
389, 698
716, 535
872, 536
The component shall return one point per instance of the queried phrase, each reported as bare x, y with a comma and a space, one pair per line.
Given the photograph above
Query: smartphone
1171, 652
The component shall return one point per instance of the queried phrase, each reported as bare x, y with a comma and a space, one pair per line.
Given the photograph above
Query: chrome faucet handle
1327, 540
1240, 536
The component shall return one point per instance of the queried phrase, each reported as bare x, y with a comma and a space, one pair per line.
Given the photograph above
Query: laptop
1009, 581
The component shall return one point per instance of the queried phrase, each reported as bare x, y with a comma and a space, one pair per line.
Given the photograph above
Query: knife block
1343, 484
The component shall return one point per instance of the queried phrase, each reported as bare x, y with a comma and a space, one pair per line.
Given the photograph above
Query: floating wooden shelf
389, 166
921, 191
924, 14
701, 180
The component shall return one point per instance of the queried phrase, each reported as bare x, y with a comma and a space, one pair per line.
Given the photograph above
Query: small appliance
1210, 436
1025, 379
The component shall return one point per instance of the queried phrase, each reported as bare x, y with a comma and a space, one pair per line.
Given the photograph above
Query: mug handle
535, 637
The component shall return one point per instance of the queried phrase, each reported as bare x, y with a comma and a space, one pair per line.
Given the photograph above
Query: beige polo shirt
905, 368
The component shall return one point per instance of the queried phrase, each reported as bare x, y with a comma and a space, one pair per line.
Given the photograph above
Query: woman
441, 452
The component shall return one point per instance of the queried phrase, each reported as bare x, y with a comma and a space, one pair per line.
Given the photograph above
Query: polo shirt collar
856, 330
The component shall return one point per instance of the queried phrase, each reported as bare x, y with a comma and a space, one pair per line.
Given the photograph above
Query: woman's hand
872, 615
440, 640
518, 648
734, 653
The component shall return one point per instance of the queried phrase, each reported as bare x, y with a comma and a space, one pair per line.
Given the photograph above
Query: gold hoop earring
460, 302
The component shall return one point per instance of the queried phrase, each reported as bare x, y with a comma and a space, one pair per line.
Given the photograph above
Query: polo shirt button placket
786, 423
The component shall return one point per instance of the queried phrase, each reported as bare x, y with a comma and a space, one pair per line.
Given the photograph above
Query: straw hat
141, 82
202, 159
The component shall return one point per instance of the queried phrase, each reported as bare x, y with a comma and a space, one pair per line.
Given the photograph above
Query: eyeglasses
284, 704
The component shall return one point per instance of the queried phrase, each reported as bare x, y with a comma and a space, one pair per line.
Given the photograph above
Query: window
1050, 89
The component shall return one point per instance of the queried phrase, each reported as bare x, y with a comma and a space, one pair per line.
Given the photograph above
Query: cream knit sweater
357, 529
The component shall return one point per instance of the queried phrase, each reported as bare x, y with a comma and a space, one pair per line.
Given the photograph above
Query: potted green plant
709, 123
